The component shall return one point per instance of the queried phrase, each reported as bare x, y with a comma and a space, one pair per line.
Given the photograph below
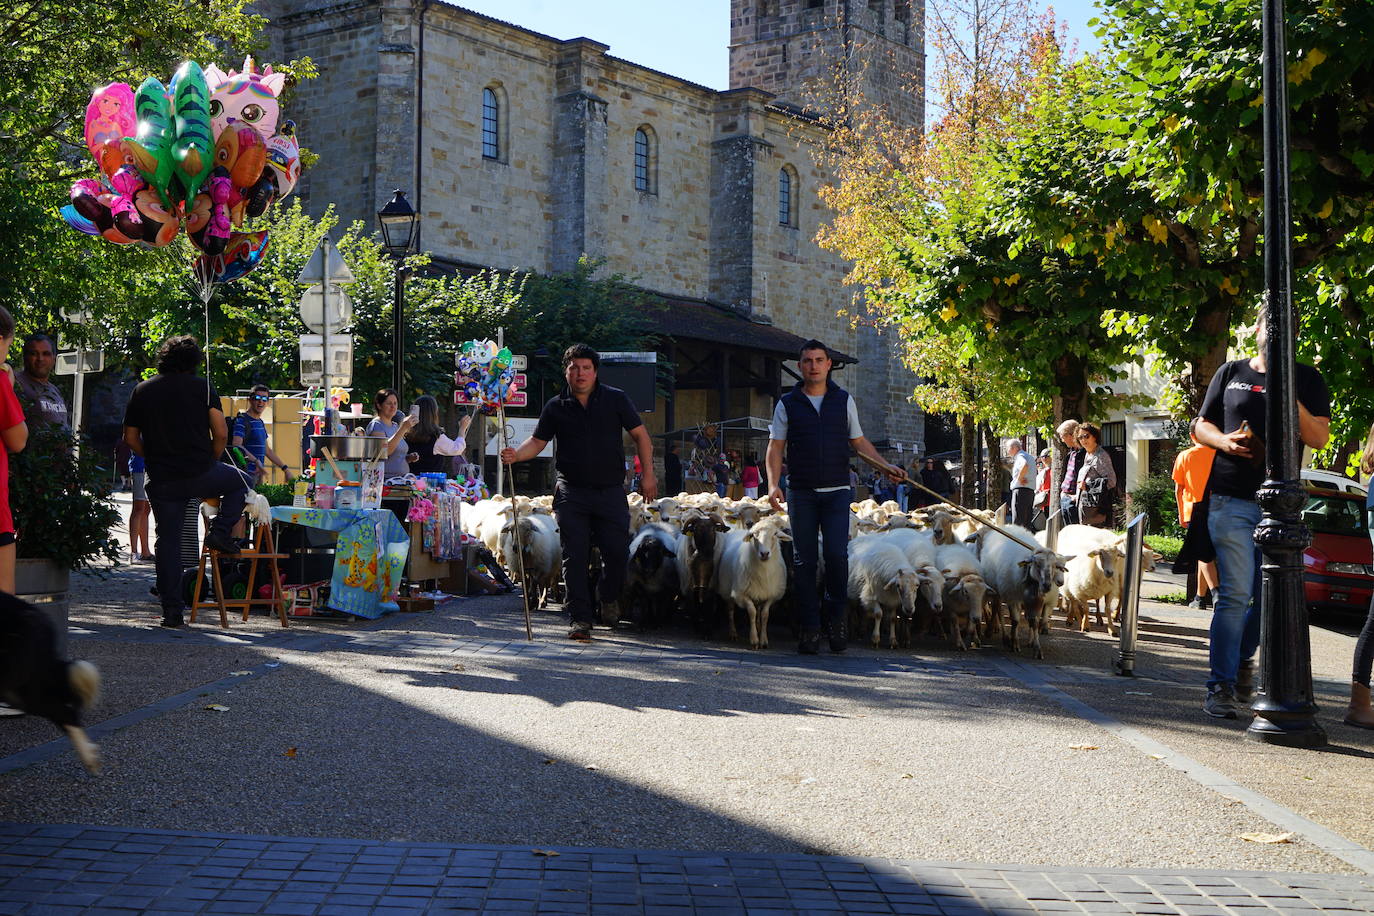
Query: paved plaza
440, 762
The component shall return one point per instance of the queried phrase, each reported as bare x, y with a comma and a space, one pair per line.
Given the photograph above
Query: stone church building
523, 151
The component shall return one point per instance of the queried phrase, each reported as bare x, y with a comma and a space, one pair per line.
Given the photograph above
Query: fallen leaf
1267, 837
591, 766
1156, 756
907, 776
543, 852
239, 673
549, 760
460, 667
1082, 747
290, 752
215, 707
718, 671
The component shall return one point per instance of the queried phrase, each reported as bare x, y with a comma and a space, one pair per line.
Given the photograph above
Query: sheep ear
721, 526
784, 536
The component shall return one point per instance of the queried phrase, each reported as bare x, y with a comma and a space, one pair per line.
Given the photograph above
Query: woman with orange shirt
1192, 467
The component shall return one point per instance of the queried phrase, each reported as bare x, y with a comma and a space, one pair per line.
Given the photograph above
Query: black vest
817, 442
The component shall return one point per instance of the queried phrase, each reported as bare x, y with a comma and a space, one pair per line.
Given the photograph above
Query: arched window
787, 197
646, 165
491, 124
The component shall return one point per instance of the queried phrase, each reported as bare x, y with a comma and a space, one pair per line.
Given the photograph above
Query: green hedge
1155, 497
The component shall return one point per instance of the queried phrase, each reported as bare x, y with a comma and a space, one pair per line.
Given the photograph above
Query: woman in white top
385, 426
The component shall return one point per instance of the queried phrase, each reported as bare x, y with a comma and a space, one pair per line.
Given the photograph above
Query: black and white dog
34, 679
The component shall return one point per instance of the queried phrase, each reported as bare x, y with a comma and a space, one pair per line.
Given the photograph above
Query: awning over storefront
697, 319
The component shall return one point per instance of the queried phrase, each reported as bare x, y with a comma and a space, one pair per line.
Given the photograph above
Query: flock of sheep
703, 558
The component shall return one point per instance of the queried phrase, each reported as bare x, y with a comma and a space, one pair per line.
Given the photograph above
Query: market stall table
368, 560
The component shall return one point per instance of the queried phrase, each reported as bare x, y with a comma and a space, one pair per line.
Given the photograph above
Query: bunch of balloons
203, 152
485, 375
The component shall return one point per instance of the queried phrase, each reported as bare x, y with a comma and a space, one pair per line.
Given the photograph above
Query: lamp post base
1286, 727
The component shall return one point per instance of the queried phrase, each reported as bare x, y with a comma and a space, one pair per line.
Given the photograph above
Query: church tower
792, 49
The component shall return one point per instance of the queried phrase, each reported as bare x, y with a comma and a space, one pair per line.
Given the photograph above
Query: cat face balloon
246, 96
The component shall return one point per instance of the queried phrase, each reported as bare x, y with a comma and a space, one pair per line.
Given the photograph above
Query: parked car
1330, 480
1339, 565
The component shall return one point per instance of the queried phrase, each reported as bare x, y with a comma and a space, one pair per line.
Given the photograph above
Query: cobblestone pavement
101, 870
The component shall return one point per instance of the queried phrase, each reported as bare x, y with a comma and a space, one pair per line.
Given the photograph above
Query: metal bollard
1130, 597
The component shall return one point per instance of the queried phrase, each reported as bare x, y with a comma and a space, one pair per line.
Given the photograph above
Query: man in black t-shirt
174, 421
588, 421
672, 470
1233, 423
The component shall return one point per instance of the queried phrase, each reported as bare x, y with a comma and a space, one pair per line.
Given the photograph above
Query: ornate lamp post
400, 231
1285, 712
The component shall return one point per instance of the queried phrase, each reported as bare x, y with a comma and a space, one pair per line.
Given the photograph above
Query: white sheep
540, 554
1075, 539
1021, 577
752, 574
965, 591
884, 583
1092, 575
919, 547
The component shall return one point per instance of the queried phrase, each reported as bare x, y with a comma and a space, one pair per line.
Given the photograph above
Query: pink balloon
110, 117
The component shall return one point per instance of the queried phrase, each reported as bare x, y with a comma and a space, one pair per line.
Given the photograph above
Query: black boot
839, 635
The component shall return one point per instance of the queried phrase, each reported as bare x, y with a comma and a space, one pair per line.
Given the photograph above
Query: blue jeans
1236, 611
824, 516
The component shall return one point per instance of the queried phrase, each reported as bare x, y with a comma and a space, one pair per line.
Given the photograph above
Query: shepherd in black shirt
174, 421
1233, 423
587, 421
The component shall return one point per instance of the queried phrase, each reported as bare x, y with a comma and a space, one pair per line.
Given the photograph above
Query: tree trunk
967, 440
1071, 403
1212, 324
998, 477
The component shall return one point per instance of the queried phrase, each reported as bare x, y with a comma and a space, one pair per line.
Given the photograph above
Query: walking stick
886, 468
515, 515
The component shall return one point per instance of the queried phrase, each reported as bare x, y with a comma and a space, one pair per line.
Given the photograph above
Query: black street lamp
400, 226
1285, 711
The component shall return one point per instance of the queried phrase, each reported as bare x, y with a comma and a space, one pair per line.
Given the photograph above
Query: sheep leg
753, 612
875, 612
1013, 641
764, 608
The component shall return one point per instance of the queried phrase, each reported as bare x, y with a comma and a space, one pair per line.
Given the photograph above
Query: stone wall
563, 184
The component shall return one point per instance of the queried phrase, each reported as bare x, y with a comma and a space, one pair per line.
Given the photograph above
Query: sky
685, 39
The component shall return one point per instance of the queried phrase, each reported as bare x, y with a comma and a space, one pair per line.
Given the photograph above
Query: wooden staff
515, 515
887, 468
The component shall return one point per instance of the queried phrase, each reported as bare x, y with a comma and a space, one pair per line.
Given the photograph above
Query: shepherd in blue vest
818, 424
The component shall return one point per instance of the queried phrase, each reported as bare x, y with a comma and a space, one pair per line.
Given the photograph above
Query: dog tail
85, 682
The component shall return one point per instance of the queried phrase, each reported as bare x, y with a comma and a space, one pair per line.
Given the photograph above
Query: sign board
519, 381
312, 309
92, 361
519, 362
517, 399
340, 360
518, 429
634, 372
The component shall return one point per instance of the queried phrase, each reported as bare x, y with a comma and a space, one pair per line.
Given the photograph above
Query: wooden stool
264, 548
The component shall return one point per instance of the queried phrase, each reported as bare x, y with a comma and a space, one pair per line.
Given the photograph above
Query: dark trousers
590, 516
823, 515
1021, 506
170, 499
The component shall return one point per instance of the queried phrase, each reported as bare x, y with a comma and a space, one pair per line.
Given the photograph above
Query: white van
1330, 480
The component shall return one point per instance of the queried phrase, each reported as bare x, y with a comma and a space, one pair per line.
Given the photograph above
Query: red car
1339, 566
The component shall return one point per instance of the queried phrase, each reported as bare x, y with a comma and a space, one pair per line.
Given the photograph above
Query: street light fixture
400, 226
1285, 711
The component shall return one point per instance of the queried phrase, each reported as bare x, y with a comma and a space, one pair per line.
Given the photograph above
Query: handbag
1094, 502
